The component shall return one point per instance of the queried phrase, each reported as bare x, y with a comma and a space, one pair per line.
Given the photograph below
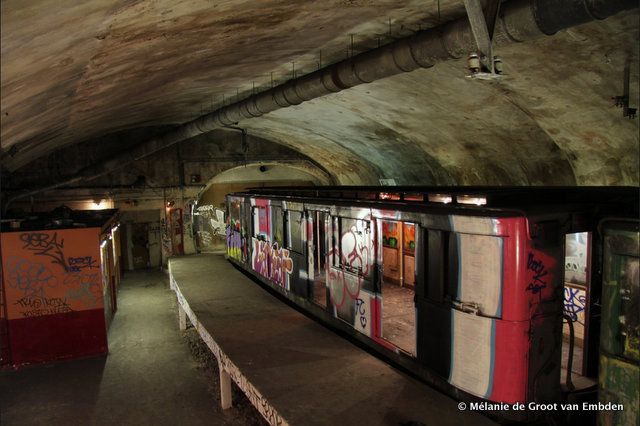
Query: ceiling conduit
519, 20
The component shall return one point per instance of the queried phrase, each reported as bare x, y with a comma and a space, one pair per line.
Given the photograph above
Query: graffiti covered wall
53, 290
210, 227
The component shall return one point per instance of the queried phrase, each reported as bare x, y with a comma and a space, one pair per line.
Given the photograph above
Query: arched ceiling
73, 71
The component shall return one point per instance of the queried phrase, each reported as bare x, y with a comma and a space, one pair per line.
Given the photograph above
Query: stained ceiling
74, 71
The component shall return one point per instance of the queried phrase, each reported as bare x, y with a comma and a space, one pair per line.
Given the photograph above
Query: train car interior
398, 284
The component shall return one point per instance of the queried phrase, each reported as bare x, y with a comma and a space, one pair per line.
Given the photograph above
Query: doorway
319, 292
577, 294
398, 284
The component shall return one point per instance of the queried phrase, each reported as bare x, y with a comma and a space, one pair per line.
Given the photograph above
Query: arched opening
208, 221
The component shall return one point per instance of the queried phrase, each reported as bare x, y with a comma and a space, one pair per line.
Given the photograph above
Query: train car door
318, 225
351, 273
294, 252
459, 301
398, 312
580, 335
245, 230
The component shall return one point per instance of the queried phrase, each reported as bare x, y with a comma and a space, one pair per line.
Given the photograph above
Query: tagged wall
54, 294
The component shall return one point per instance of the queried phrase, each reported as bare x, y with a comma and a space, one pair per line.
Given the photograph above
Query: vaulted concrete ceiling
73, 71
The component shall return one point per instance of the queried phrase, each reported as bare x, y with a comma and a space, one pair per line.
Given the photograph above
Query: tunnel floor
150, 377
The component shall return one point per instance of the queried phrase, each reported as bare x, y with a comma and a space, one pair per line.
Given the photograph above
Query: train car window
389, 196
354, 245
234, 211
277, 225
295, 231
413, 197
260, 228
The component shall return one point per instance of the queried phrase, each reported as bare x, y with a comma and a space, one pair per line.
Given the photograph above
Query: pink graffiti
272, 262
355, 258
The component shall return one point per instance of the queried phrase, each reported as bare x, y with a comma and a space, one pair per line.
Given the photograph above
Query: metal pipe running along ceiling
519, 20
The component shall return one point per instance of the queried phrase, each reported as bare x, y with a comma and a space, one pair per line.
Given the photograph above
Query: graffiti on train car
575, 300
351, 264
234, 243
355, 260
537, 283
537, 274
361, 310
272, 262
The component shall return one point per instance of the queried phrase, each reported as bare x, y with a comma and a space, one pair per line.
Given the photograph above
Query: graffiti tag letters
30, 278
272, 262
77, 263
574, 302
42, 244
361, 311
234, 243
538, 279
40, 306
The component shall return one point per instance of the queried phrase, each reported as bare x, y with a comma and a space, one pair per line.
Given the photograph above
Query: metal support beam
483, 24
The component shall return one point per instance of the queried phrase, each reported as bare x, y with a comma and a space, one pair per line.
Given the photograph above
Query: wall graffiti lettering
84, 289
40, 306
539, 272
212, 224
32, 279
77, 263
217, 222
272, 262
205, 238
575, 301
43, 244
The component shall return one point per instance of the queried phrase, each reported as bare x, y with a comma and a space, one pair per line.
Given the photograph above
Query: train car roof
612, 200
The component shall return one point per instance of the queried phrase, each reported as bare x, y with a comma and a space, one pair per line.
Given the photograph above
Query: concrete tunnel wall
550, 121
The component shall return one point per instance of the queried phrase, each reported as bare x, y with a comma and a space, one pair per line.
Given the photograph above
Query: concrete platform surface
149, 377
302, 370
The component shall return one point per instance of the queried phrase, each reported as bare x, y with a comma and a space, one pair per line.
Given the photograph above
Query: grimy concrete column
225, 388
182, 317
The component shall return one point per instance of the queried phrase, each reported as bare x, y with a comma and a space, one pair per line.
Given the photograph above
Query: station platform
292, 369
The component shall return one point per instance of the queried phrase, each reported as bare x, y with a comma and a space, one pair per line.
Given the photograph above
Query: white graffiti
213, 217
217, 223
205, 237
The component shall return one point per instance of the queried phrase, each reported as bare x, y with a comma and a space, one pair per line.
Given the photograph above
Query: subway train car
464, 287
620, 346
